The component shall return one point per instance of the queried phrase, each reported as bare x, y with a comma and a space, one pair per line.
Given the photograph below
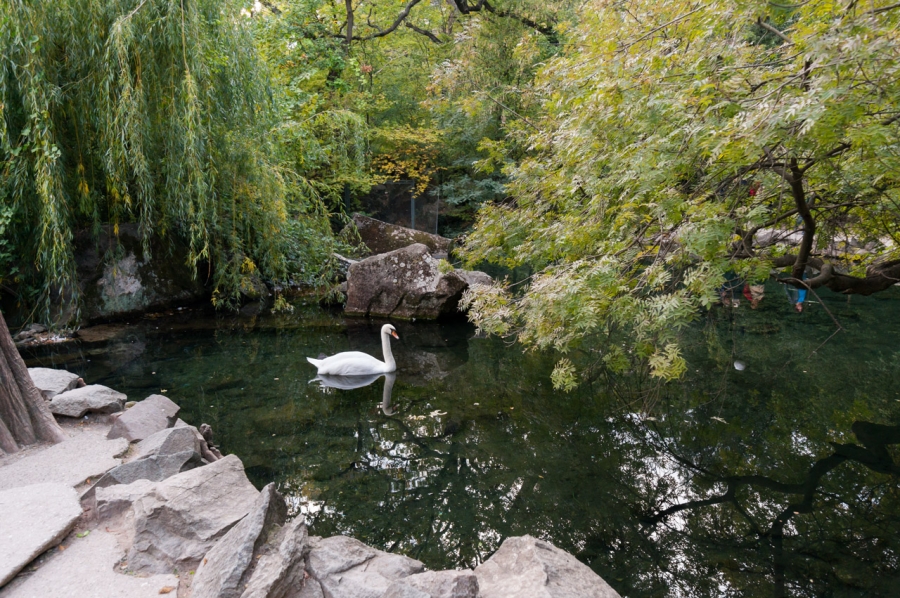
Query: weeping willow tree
148, 111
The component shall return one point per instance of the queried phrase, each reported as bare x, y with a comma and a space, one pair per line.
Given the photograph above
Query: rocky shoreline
139, 503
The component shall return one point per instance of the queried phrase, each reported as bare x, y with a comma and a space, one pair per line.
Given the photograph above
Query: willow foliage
669, 134
147, 111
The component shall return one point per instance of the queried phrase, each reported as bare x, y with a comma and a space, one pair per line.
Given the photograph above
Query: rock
436, 584
347, 568
526, 566
406, 283
148, 417
94, 398
86, 454
225, 569
111, 501
116, 279
279, 571
52, 382
381, 237
155, 468
85, 570
180, 520
169, 442
33, 519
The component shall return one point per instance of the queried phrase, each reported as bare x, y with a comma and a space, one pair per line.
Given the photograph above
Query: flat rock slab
526, 566
87, 569
153, 414
86, 454
33, 519
52, 382
94, 398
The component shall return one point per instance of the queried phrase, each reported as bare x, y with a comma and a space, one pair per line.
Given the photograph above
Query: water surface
779, 479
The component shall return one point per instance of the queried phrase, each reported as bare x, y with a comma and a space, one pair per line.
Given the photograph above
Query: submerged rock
94, 398
381, 237
406, 283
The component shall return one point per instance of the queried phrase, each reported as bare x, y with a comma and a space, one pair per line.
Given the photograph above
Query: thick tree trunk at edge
24, 415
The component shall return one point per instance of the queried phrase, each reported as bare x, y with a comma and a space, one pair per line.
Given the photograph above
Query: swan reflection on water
330, 382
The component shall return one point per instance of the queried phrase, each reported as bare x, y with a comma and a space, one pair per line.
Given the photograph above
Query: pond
770, 469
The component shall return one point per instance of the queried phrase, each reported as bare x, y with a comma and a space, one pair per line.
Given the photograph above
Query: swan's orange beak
394, 334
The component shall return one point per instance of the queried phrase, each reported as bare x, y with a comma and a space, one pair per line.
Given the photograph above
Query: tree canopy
681, 142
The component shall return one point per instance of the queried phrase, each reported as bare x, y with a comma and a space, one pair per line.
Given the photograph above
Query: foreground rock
406, 283
52, 382
381, 237
526, 566
33, 519
87, 454
94, 398
435, 584
148, 417
88, 569
225, 571
180, 520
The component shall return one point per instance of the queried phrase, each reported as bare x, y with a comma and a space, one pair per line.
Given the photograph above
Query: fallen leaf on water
650, 419
166, 590
719, 419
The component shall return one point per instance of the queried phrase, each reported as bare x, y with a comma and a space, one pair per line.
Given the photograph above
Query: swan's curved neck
388, 356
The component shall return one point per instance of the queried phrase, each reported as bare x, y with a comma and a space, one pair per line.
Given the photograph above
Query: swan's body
356, 363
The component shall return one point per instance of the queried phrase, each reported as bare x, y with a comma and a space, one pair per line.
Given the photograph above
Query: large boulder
526, 566
347, 568
148, 417
52, 382
180, 520
435, 584
116, 279
94, 398
406, 283
381, 237
226, 568
280, 569
33, 519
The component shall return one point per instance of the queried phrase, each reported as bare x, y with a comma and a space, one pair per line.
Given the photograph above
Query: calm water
779, 479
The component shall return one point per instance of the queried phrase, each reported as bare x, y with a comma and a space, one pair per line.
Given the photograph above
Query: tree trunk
25, 417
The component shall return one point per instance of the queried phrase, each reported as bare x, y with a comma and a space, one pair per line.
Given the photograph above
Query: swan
353, 382
356, 363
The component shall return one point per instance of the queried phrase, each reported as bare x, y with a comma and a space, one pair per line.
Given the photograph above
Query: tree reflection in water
780, 479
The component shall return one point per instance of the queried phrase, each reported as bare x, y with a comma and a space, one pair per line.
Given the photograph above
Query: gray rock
53, 382
115, 278
94, 398
279, 572
168, 442
381, 237
148, 417
406, 283
435, 584
112, 501
155, 468
180, 520
85, 454
347, 568
225, 569
526, 566
33, 519
86, 570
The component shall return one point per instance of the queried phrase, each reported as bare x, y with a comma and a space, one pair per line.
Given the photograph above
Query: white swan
356, 363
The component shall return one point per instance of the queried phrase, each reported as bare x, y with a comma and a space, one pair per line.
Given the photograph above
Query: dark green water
781, 479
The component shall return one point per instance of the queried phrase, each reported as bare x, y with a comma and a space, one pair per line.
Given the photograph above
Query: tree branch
400, 18
772, 29
424, 32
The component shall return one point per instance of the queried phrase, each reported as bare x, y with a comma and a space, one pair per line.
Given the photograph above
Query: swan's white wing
351, 363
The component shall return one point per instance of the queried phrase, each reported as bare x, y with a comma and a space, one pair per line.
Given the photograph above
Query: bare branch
424, 32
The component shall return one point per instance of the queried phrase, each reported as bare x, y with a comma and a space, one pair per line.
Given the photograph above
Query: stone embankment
138, 503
